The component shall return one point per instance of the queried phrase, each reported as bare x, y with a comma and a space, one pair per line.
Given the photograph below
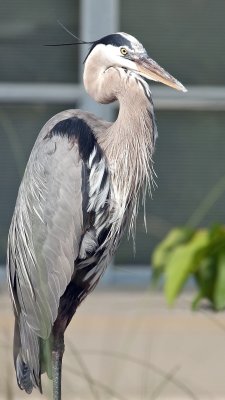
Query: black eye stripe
115, 39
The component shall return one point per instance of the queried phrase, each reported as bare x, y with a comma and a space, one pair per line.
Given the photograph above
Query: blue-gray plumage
79, 192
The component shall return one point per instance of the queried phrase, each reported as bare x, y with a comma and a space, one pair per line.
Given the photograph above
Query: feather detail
129, 146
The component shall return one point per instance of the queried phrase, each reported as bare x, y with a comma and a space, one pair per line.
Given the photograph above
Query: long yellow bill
149, 69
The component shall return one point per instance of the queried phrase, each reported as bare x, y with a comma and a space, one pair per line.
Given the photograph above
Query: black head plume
79, 41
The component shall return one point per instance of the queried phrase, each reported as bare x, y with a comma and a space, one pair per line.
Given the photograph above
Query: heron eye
123, 51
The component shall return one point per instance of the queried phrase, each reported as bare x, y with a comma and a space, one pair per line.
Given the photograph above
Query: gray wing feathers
45, 237
45, 232
27, 357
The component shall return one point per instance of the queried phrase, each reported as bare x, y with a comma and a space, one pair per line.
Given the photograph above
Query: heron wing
46, 231
60, 222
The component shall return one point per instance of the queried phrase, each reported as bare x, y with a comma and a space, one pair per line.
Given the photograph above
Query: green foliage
200, 254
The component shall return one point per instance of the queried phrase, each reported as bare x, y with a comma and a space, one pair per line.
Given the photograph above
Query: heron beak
149, 69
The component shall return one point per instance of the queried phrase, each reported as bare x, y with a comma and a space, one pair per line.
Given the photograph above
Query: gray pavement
126, 344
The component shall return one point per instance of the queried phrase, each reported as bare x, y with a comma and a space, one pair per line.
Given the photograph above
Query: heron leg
57, 355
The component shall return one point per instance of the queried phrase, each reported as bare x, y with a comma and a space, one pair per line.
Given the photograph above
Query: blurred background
187, 39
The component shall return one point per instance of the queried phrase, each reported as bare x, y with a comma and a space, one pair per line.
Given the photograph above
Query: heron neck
135, 126
129, 141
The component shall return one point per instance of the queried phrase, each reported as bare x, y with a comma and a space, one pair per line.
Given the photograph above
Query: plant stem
208, 202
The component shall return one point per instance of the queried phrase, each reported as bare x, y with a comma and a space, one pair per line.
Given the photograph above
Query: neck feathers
129, 143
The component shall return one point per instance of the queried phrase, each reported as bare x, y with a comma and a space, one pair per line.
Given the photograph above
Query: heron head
125, 51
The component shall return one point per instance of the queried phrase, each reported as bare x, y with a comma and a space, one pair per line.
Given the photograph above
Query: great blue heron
79, 192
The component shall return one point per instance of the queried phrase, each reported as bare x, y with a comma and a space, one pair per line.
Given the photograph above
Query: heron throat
129, 145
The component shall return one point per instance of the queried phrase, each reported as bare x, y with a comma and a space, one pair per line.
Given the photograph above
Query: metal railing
197, 98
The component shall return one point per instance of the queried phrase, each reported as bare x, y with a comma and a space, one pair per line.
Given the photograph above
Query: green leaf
175, 237
199, 253
217, 240
206, 275
219, 293
183, 261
